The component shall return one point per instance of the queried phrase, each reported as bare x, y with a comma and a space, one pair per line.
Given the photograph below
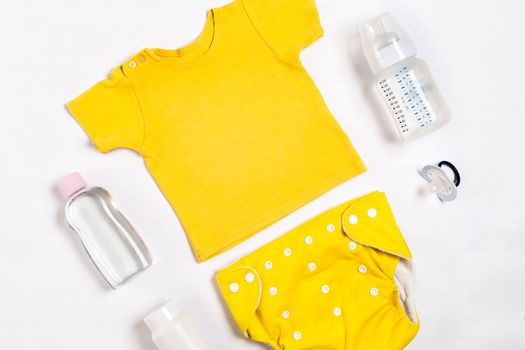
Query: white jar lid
162, 316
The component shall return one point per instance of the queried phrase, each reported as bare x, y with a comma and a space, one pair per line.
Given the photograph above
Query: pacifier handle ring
451, 166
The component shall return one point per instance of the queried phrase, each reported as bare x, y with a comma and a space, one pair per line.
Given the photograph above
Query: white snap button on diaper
308, 240
287, 252
285, 314
374, 292
325, 289
352, 245
234, 287
353, 219
312, 266
362, 269
249, 277
297, 335
372, 213
132, 64
273, 291
337, 312
330, 228
268, 265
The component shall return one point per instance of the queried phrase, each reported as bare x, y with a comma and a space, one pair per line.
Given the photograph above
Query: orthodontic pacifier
445, 188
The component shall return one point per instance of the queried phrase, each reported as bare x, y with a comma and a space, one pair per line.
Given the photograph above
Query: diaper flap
369, 221
241, 288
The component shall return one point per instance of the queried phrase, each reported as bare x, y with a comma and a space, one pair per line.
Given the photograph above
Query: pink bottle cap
71, 183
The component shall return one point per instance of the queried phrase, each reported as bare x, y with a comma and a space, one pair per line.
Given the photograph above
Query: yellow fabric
311, 291
383, 234
231, 127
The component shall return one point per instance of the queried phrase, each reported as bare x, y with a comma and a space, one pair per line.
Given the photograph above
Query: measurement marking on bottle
406, 99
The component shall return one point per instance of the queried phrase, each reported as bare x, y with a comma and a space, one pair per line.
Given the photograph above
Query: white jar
172, 329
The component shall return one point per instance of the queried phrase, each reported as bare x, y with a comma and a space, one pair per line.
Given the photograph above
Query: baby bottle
403, 80
109, 239
172, 329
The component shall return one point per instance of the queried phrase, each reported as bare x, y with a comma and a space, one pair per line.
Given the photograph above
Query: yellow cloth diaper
342, 280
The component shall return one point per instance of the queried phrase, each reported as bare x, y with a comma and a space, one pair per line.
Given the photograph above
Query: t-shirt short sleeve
287, 26
110, 113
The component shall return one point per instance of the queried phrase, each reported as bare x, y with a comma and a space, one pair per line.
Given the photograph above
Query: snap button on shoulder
308, 240
132, 64
330, 228
287, 252
273, 291
372, 213
352, 245
374, 292
234, 287
353, 219
297, 335
268, 265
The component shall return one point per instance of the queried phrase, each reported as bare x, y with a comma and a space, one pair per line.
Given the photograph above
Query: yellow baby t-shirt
231, 127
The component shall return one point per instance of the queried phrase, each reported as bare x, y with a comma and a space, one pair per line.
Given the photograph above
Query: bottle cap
162, 315
71, 183
385, 42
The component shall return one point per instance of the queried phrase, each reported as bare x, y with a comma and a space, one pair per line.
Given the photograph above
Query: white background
469, 253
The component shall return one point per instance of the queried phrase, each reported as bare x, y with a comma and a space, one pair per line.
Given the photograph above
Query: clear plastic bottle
403, 80
173, 329
109, 239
